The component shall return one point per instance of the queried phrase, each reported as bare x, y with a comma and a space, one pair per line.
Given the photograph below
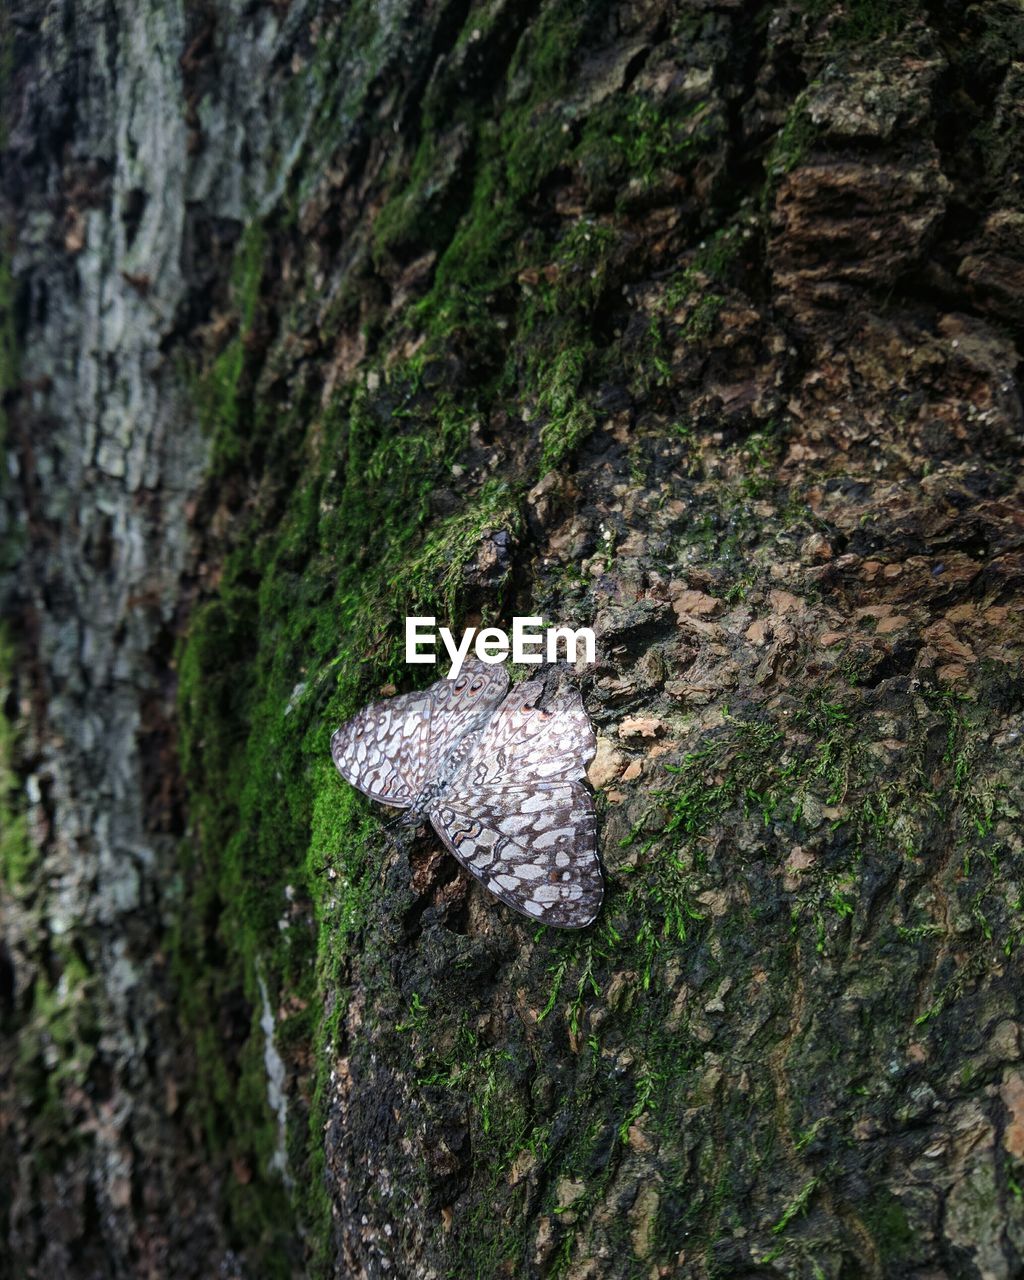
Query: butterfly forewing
382, 750
533, 846
463, 705
391, 749
523, 742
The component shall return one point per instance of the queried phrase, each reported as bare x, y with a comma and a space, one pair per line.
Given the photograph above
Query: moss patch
16, 854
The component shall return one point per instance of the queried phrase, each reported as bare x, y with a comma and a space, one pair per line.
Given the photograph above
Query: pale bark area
112, 263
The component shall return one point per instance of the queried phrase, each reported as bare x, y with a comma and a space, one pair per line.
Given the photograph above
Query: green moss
55, 1031
534, 128
649, 139
568, 419
219, 390
735, 768
422, 214
886, 1220
754, 769
56, 1044
355, 517
631, 144
515, 152
323, 106
305, 626
797, 1205
306, 615
864, 21
789, 149
16, 854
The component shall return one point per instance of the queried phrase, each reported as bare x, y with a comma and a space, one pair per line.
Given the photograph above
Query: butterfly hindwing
517, 815
533, 846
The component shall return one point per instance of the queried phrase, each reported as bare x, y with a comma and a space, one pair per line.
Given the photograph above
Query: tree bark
696, 323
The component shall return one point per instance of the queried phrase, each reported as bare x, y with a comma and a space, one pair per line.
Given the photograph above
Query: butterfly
499, 779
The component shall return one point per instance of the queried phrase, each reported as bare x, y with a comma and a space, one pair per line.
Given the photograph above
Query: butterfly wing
463, 705
518, 817
534, 847
525, 743
390, 749
383, 749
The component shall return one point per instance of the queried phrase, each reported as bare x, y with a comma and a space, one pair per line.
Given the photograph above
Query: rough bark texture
695, 322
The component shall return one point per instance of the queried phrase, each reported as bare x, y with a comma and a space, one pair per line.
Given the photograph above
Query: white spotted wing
518, 817
390, 750
502, 785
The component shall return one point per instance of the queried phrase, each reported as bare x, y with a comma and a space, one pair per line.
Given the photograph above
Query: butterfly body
497, 777
450, 768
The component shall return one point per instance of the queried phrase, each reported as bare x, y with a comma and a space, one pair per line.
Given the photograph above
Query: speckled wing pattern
462, 706
518, 816
391, 749
382, 750
502, 785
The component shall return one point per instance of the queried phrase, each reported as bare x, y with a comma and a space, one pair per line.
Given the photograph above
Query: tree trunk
696, 323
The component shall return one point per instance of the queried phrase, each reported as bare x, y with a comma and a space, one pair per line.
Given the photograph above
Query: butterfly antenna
391, 823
